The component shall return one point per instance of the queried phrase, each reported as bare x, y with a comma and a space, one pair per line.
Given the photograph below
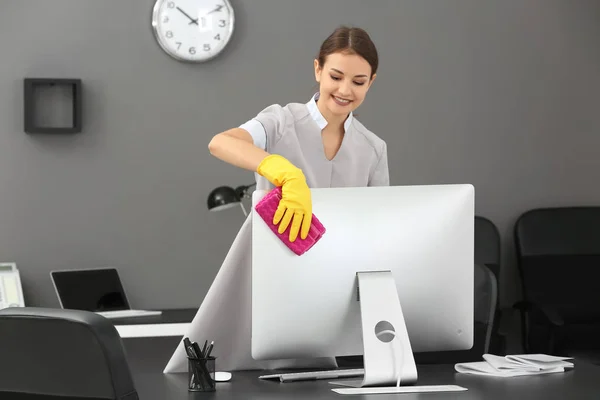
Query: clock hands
193, 21
217, 9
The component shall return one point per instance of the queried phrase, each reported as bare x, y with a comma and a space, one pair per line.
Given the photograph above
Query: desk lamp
224, 197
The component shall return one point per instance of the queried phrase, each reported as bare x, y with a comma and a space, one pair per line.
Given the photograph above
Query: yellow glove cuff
277, 169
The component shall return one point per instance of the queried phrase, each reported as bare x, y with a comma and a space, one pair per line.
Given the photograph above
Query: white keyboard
312, 375
128, 313
402, 389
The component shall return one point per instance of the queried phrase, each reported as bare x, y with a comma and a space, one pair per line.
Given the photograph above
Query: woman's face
344, 80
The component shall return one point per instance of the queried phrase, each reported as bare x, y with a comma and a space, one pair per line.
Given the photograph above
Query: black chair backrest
486, 300
558, 257
56, 353
487, 244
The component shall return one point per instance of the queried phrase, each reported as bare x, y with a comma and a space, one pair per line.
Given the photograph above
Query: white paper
515, 365
541, 361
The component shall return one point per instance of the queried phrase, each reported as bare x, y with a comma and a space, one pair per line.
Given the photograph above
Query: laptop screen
90, 290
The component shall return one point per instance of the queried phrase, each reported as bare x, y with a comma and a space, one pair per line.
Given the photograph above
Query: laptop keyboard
128, 313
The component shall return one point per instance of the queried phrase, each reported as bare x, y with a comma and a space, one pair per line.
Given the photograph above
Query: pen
197, 350
192, 351
204, 348
189, 349
210, 347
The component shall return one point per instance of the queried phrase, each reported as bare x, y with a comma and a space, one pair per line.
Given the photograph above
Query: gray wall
501, 94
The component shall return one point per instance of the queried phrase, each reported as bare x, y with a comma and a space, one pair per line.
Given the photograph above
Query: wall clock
193, 30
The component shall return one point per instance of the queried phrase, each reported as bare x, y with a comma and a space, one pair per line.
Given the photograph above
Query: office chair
488, 252
487, 245
558, 258
67, 354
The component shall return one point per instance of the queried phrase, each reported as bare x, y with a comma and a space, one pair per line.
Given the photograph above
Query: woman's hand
295, 205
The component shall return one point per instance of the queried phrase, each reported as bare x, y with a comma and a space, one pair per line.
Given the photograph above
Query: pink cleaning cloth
266, 208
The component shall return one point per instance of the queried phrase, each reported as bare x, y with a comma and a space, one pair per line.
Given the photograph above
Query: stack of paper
516, 365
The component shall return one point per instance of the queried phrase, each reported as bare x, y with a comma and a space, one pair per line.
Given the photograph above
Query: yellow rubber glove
295, 204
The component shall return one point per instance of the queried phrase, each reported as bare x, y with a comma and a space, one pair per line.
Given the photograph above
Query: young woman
317, 144
298, 147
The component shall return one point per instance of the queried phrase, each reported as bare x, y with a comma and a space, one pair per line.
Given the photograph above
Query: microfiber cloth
266, 208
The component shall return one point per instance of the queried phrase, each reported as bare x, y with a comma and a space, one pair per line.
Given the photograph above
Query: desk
170, 323
148, 356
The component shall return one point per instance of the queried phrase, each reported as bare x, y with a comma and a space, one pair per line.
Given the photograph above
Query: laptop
97, 290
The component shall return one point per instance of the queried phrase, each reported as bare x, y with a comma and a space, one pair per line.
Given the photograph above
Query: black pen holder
201, 374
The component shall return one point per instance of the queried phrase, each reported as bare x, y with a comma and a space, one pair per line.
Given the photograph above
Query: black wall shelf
52, 105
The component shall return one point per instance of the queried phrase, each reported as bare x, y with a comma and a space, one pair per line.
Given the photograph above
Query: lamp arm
242, 191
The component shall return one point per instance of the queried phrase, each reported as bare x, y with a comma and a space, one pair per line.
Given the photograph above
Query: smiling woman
315, 144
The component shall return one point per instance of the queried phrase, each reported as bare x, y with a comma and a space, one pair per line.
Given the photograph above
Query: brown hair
351, 41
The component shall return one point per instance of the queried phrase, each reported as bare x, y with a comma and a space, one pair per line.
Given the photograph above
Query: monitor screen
90, 290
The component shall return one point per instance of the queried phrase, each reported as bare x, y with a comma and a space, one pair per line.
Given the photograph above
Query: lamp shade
222, 198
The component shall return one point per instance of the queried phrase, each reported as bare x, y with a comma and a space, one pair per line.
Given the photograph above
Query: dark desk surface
148, 356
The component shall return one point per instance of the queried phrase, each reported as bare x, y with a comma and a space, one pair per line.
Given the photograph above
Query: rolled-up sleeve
257, 131
273, 121
266, 127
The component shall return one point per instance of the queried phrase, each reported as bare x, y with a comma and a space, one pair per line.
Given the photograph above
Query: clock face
193, 30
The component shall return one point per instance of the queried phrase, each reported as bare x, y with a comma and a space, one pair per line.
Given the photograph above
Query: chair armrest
551, 315
505, 320
552, 318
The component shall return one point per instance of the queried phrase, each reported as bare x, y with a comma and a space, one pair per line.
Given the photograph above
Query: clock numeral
165, 20
171, 4
206, 47
218, 37
169, 34
178, 45
192, 50
222, 23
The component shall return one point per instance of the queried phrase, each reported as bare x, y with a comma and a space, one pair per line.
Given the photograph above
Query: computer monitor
415, 244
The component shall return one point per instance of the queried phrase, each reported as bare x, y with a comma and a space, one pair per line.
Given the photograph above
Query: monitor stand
388, 357
389, 364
